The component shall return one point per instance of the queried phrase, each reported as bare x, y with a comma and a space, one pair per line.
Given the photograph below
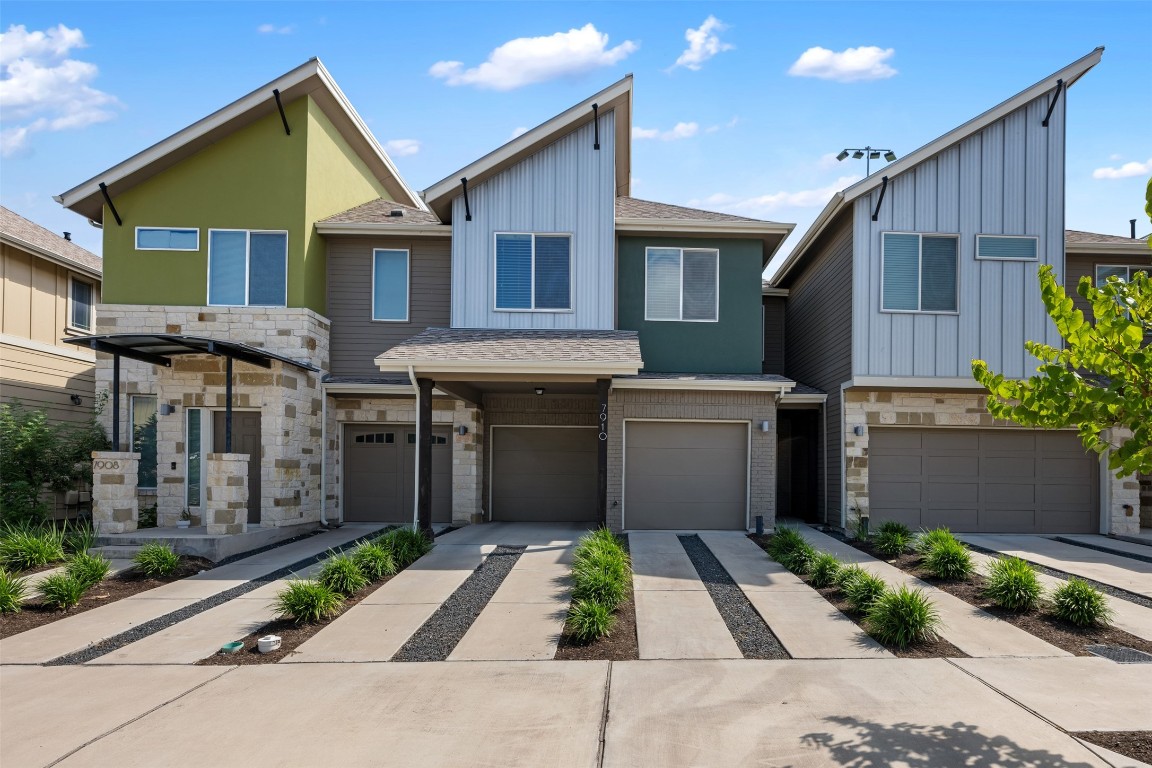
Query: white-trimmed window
247, 268
682, 284
1007, 247
390, 270
80, 304
167, 239
919, 272
1125, 273
533, 272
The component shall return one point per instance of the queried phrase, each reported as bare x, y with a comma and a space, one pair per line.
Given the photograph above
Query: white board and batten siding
1005, 180
567, 187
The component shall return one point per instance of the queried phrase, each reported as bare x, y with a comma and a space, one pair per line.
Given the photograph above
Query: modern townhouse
904, 279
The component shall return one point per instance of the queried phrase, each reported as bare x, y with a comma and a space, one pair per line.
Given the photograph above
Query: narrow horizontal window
247, 268
919, 272
1006, 247
533, 272
81, 305
682, 284
390, 285
167, 239
383, 438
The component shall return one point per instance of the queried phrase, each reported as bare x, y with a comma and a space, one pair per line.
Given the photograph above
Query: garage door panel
379, 477
543, 461
1020, 481
685, 475
544, 474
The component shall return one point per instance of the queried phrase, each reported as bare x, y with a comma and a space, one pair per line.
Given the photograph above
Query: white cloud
678, 131
850, 65
1125, 171
402, 147
764, 205
517, 132
528, 60
703, 43
41, 89
717, 128
272, 29
827, 161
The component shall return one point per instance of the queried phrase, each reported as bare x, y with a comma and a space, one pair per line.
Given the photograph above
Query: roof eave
1134, 247
724, 385
63, 261
526, 367
390, 230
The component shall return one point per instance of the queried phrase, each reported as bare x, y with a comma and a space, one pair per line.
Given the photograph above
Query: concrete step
116, 551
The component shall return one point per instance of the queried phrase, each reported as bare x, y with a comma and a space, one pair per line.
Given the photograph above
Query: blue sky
738, 106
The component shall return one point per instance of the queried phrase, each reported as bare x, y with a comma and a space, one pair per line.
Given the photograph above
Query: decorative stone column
1122, 494
467, 460
114, 505
226, 496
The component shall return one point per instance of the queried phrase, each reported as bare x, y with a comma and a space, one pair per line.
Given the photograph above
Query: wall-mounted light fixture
539, 390
765, 426
858, 430
167, 409
461, 430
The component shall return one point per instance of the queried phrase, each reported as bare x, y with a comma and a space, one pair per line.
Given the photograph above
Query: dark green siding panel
731, 345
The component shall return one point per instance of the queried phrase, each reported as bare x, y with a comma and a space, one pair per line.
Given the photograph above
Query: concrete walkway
802, 713
970, 629
75, 633
1115, 570
675, 615
1133, 619
1119, 546
807, 625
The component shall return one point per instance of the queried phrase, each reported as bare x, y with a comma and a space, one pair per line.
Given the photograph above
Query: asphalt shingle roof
20, 228
1078, 236
379, 211
635, 208
477, 344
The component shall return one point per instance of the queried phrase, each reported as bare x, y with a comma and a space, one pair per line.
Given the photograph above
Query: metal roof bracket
880, 202
467, 208
1052, 103
596, 121
111, 207
283, 117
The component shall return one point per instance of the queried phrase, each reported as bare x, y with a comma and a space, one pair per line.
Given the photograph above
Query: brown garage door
685, 475
544, 474
1008, 480
380, 468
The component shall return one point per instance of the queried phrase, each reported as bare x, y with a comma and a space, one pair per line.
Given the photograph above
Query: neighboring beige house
50, 290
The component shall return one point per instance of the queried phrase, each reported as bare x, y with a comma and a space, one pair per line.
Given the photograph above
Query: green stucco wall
731, 345
255, 178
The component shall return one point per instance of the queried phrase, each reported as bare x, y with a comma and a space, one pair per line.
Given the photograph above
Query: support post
602, 386
424, 457
116, 401
228, 406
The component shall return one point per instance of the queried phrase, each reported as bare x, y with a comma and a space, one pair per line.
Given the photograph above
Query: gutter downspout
323, 452
416, 463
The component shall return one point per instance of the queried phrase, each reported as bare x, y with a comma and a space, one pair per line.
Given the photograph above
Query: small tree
1101, 379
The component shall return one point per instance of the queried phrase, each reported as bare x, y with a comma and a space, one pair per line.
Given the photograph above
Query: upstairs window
1105, 271
919, 273
80, 305
682, 284
1006, 247
167, 239
390, 285
247, 268
533, 272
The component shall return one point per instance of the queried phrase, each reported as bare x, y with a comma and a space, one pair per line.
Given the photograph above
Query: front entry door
245, 439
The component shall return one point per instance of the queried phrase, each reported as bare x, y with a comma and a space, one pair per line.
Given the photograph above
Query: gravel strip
1118, 552
141, 631
751, 634
438, 636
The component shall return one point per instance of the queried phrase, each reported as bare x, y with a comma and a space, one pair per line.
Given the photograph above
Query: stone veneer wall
467, 450
226, 495
866, 408
287, 397
755, 407
114, 505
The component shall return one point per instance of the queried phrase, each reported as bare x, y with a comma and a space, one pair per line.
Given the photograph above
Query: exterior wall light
765, 426
539, 390
462, 430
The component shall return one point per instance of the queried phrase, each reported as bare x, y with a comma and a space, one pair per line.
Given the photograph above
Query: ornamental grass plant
864, 590
13, 590
902, 618
307, 601
825, 568
1080, 603
60, 590
949, 560
1012, 583
602, 575
89, 570
341, 574
157, 561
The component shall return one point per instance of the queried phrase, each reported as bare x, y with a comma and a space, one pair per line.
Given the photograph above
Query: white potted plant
185, 519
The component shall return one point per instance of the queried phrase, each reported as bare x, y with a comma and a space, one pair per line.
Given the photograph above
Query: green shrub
1080, 603
341, 574
891, 526
407, 545
949, 560
601, 570
374, 560
891, 543
88, 569
31, 547
825, 568
12, 592
924, 541
78, 538
800, 559
157, 561
307, 601
784, 541
902, 618
864, 590
590, 620
848, 574
1012, 584
60, 590
608, 587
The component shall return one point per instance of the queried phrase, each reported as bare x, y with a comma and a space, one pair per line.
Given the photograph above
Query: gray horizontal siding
567, 187
1084, 265
356, 339
775, 308
818, 342
1007, 179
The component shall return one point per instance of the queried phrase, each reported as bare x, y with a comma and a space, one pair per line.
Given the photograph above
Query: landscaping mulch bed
1065, 636
934, 649
114, 588
292, 635
1134, 744
621, 645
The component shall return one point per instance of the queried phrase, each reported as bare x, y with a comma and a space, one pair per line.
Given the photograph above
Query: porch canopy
158, 349
467, 362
